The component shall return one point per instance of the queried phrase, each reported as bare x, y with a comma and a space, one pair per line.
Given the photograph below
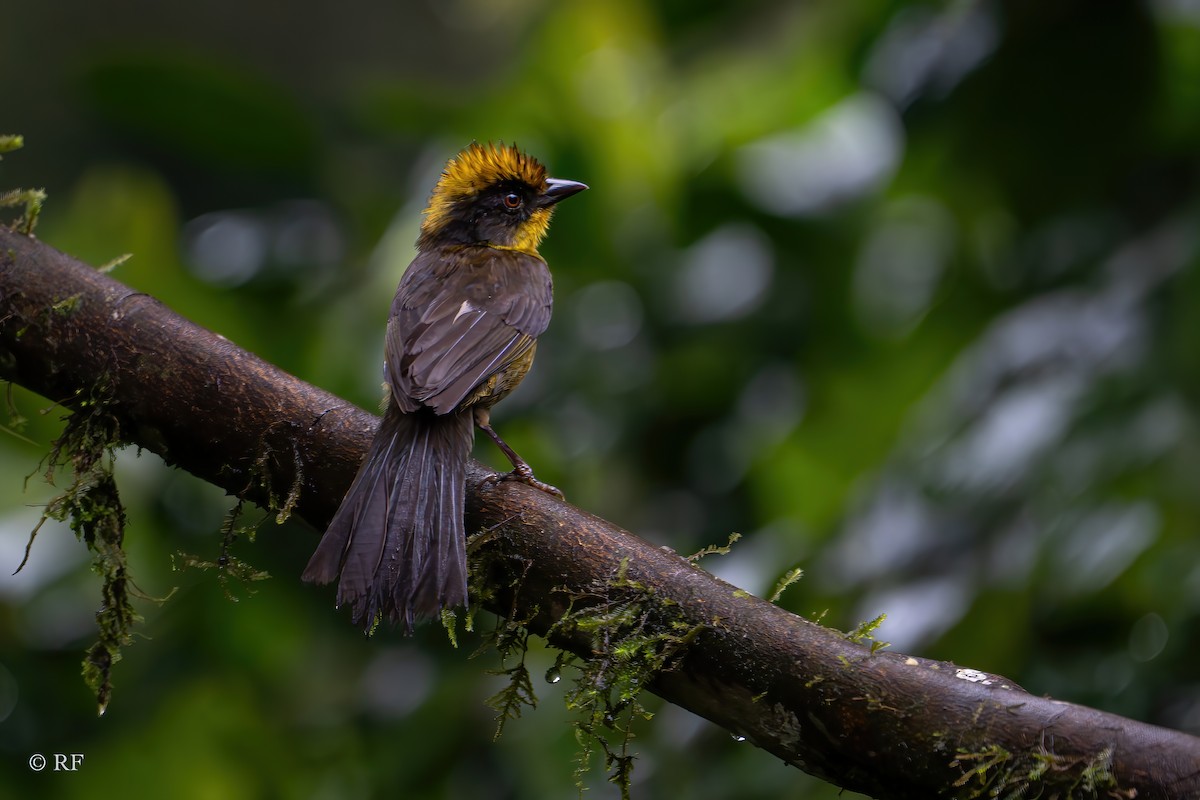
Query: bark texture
886, 724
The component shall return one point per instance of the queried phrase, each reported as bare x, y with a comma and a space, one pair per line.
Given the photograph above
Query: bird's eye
512, 200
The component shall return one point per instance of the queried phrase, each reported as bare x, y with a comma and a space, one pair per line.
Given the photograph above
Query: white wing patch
465, 308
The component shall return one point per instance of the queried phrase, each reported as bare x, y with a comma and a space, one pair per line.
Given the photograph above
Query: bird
461, 334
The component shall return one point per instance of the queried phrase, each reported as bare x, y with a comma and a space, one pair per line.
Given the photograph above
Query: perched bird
461, 335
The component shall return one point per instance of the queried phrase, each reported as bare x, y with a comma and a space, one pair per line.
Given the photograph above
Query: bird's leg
521, 470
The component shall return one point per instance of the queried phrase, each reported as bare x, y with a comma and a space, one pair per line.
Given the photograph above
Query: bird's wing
459, 317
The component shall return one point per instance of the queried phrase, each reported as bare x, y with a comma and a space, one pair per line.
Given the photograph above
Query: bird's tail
398, 537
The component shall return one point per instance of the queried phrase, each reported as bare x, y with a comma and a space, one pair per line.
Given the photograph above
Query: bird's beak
558, 189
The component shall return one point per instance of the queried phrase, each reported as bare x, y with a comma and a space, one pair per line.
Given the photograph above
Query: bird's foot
523, 474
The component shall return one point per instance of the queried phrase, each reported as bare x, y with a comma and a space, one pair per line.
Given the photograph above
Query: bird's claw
523, 474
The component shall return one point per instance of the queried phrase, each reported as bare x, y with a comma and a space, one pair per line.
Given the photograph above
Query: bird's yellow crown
474, 170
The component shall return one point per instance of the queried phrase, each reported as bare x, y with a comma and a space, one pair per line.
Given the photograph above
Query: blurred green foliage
904, 292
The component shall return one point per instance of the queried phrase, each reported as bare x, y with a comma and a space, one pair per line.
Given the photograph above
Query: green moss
449, 620
996, 772
17, 422
518, 693
229, 568
789, 577
713, 549
31, 200
633, 635
865, 632
235, 575
92, 507
509, 637
269, 464
67, 305
112, 264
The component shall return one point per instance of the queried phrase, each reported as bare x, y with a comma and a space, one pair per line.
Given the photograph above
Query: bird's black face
498, 214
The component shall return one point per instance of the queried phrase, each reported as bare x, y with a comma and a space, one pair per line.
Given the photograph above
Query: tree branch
886, 724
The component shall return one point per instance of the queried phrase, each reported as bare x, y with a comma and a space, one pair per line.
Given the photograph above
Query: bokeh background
906, 293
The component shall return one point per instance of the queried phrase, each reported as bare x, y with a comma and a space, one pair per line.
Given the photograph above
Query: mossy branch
882, 723
29, 200
92, 507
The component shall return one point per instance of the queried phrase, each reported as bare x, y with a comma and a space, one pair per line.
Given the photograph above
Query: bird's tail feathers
398, 538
